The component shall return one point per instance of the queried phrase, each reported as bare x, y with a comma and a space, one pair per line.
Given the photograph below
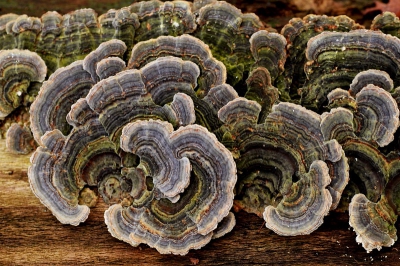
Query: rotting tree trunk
31, 235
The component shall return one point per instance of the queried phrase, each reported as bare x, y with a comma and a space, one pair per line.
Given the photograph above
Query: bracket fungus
65, 87
154, 107
175, 228
335, 58
118, 139
186, 47
297, 33
19, 139
196, 186
22, 71
171, 18
388, 23
227, 31
61, 40
272, 171
373, 222
301, 210
370, 123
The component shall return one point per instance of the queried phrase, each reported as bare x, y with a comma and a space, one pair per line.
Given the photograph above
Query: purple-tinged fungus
188, 223
21, 71
335, 58
302, 209
19, 139
372, 222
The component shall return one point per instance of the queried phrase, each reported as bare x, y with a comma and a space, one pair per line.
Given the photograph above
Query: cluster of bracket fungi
176, 112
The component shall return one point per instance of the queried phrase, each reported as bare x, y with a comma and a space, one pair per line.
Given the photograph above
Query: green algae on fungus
227, 31
61, 40
370, 123
187, 170
268, 50
128, 86
297, 33
388, 23
158, 18
20, 70
271, 169
335, 58
65, 87
189, 223
373, 222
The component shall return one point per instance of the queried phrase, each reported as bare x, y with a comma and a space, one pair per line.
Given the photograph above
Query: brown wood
31, 235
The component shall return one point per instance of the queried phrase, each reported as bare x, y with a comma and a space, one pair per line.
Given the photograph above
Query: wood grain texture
31, 235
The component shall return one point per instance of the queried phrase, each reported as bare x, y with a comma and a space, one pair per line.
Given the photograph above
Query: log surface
31, 235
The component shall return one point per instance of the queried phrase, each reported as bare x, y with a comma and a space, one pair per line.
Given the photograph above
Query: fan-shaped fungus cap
260, 89
299, 118
379, 115
367, 164
376, 115
268, 162
106, 49
341, 98
337, 57
297, 33
388, 23
225, 226
150, 89
338, 124
269, 51
51, 21
302, 210
373, 222
24, 23
188, 221
376, 77
149, 140
19, 139
158, 18
186, 47
40, 176
227, 31
109, 67
18, 69
64, 87
68, 84
183, 186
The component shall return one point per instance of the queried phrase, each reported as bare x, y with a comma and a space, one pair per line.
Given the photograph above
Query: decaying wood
31, 235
